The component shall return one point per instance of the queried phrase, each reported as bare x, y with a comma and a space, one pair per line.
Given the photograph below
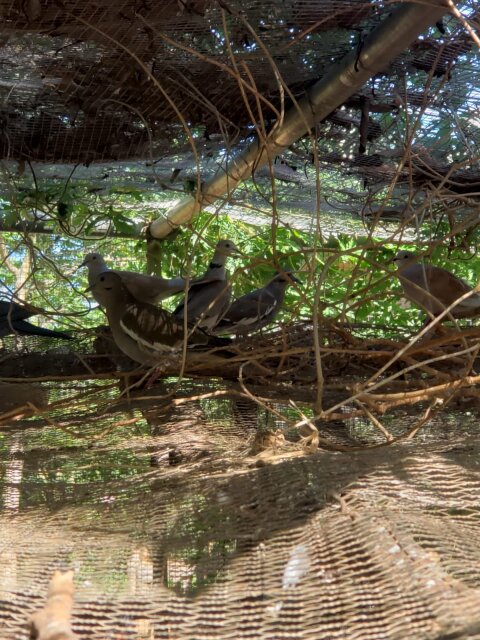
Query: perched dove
141, 330
208, 298
13, 320
144, 288
257, 308
433, 288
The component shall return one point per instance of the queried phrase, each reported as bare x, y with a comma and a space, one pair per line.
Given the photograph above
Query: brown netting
198, 515
86, 82
175, 530
97, 91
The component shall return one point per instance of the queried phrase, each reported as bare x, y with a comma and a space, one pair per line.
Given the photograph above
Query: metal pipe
381, 46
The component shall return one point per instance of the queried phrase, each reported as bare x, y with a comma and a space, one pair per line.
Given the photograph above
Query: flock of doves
145, 332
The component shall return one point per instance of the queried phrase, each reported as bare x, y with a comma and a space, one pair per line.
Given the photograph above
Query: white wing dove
143, 331
434, 289
144, 288
258, 308
208, 298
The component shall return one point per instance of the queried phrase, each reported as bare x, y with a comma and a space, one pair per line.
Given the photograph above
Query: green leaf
124, 225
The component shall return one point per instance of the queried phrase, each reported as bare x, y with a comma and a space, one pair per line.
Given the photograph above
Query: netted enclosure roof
156, 96
89, 81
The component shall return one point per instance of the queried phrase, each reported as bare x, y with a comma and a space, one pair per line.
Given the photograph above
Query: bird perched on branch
258, 308
433, 288
13, 320
141, 330
144, 288
208, 298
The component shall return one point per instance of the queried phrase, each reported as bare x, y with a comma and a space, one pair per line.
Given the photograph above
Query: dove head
110, 286
404, 258
227, 248
94, 262
285, 276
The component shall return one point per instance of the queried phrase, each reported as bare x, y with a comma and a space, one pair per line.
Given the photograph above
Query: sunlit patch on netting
176, 525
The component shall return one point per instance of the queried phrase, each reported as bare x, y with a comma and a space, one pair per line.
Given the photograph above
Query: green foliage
354, 272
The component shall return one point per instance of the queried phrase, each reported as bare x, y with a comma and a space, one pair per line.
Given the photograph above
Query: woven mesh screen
142, 95
177, 527
92, 81
85, 82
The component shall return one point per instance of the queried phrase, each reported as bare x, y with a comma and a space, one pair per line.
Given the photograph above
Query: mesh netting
176, 529
91, 82
112, 80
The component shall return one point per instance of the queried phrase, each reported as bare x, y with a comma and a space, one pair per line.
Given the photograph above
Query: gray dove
208, 298
143, 287
258, 308
434, 289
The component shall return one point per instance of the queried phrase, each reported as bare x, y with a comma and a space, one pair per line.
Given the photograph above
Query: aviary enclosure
310, 469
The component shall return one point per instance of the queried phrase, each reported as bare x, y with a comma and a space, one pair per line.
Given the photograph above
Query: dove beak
235, 252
